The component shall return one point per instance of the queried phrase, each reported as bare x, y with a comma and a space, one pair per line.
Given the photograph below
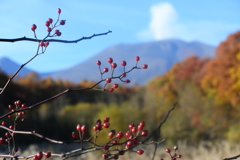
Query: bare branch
235, 157
52, 40
60, 94
160, 125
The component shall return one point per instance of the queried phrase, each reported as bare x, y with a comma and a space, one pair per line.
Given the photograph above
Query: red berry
140, 127
124, 63
127, 81
1, 140
137, 58
114, 65
17, 102
105, 155
115, 86
98, 63
106, 119
59, 10
59, 33
110, 60
106, 125
83, 128
56, 31
135, 141
10, 127
98, 126
47, 154
140, 152
145, 66
34, 27
108, 80
15, 149
127, 134
62, 22
144, 133
49, 29
168, 150
142, 123
10, 106
129, 144
124, 75
50, 20
98, 121
105, 70
94, 128
19, 114
9, 116
111, 134
35, 158
39, 155
105, 147
47, 24
175, 148
119, 135
78, 127
23, 105
179, 156
3, 123
114, 141
74, 135
41, 44
130, 126
7, 134
134, 130
111, 90
46, 44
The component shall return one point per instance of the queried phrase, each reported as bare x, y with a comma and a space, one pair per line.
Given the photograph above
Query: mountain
10, 67
159, 55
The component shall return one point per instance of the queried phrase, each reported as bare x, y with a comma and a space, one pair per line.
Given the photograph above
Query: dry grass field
204, 151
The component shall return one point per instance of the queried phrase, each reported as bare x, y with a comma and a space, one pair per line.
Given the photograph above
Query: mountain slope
159, 55
10, 67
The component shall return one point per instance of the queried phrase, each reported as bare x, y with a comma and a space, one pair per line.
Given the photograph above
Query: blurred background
192, 49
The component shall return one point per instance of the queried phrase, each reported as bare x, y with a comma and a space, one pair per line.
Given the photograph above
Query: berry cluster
132, 139
81, 130
173, 156
40, 155
50, 27
113, 65
9, 135
115, 145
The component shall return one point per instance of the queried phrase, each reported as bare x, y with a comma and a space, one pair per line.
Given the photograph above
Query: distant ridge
159, 55
10, 67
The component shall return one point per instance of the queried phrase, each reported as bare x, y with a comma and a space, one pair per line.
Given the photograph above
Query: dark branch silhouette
52, 40
235, 157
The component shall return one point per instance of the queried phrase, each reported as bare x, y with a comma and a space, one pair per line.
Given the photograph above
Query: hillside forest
207, 93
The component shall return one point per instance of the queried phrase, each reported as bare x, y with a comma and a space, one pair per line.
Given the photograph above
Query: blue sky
130, 22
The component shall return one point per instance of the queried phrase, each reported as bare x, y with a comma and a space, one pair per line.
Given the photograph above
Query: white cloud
163, 19
166, 23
